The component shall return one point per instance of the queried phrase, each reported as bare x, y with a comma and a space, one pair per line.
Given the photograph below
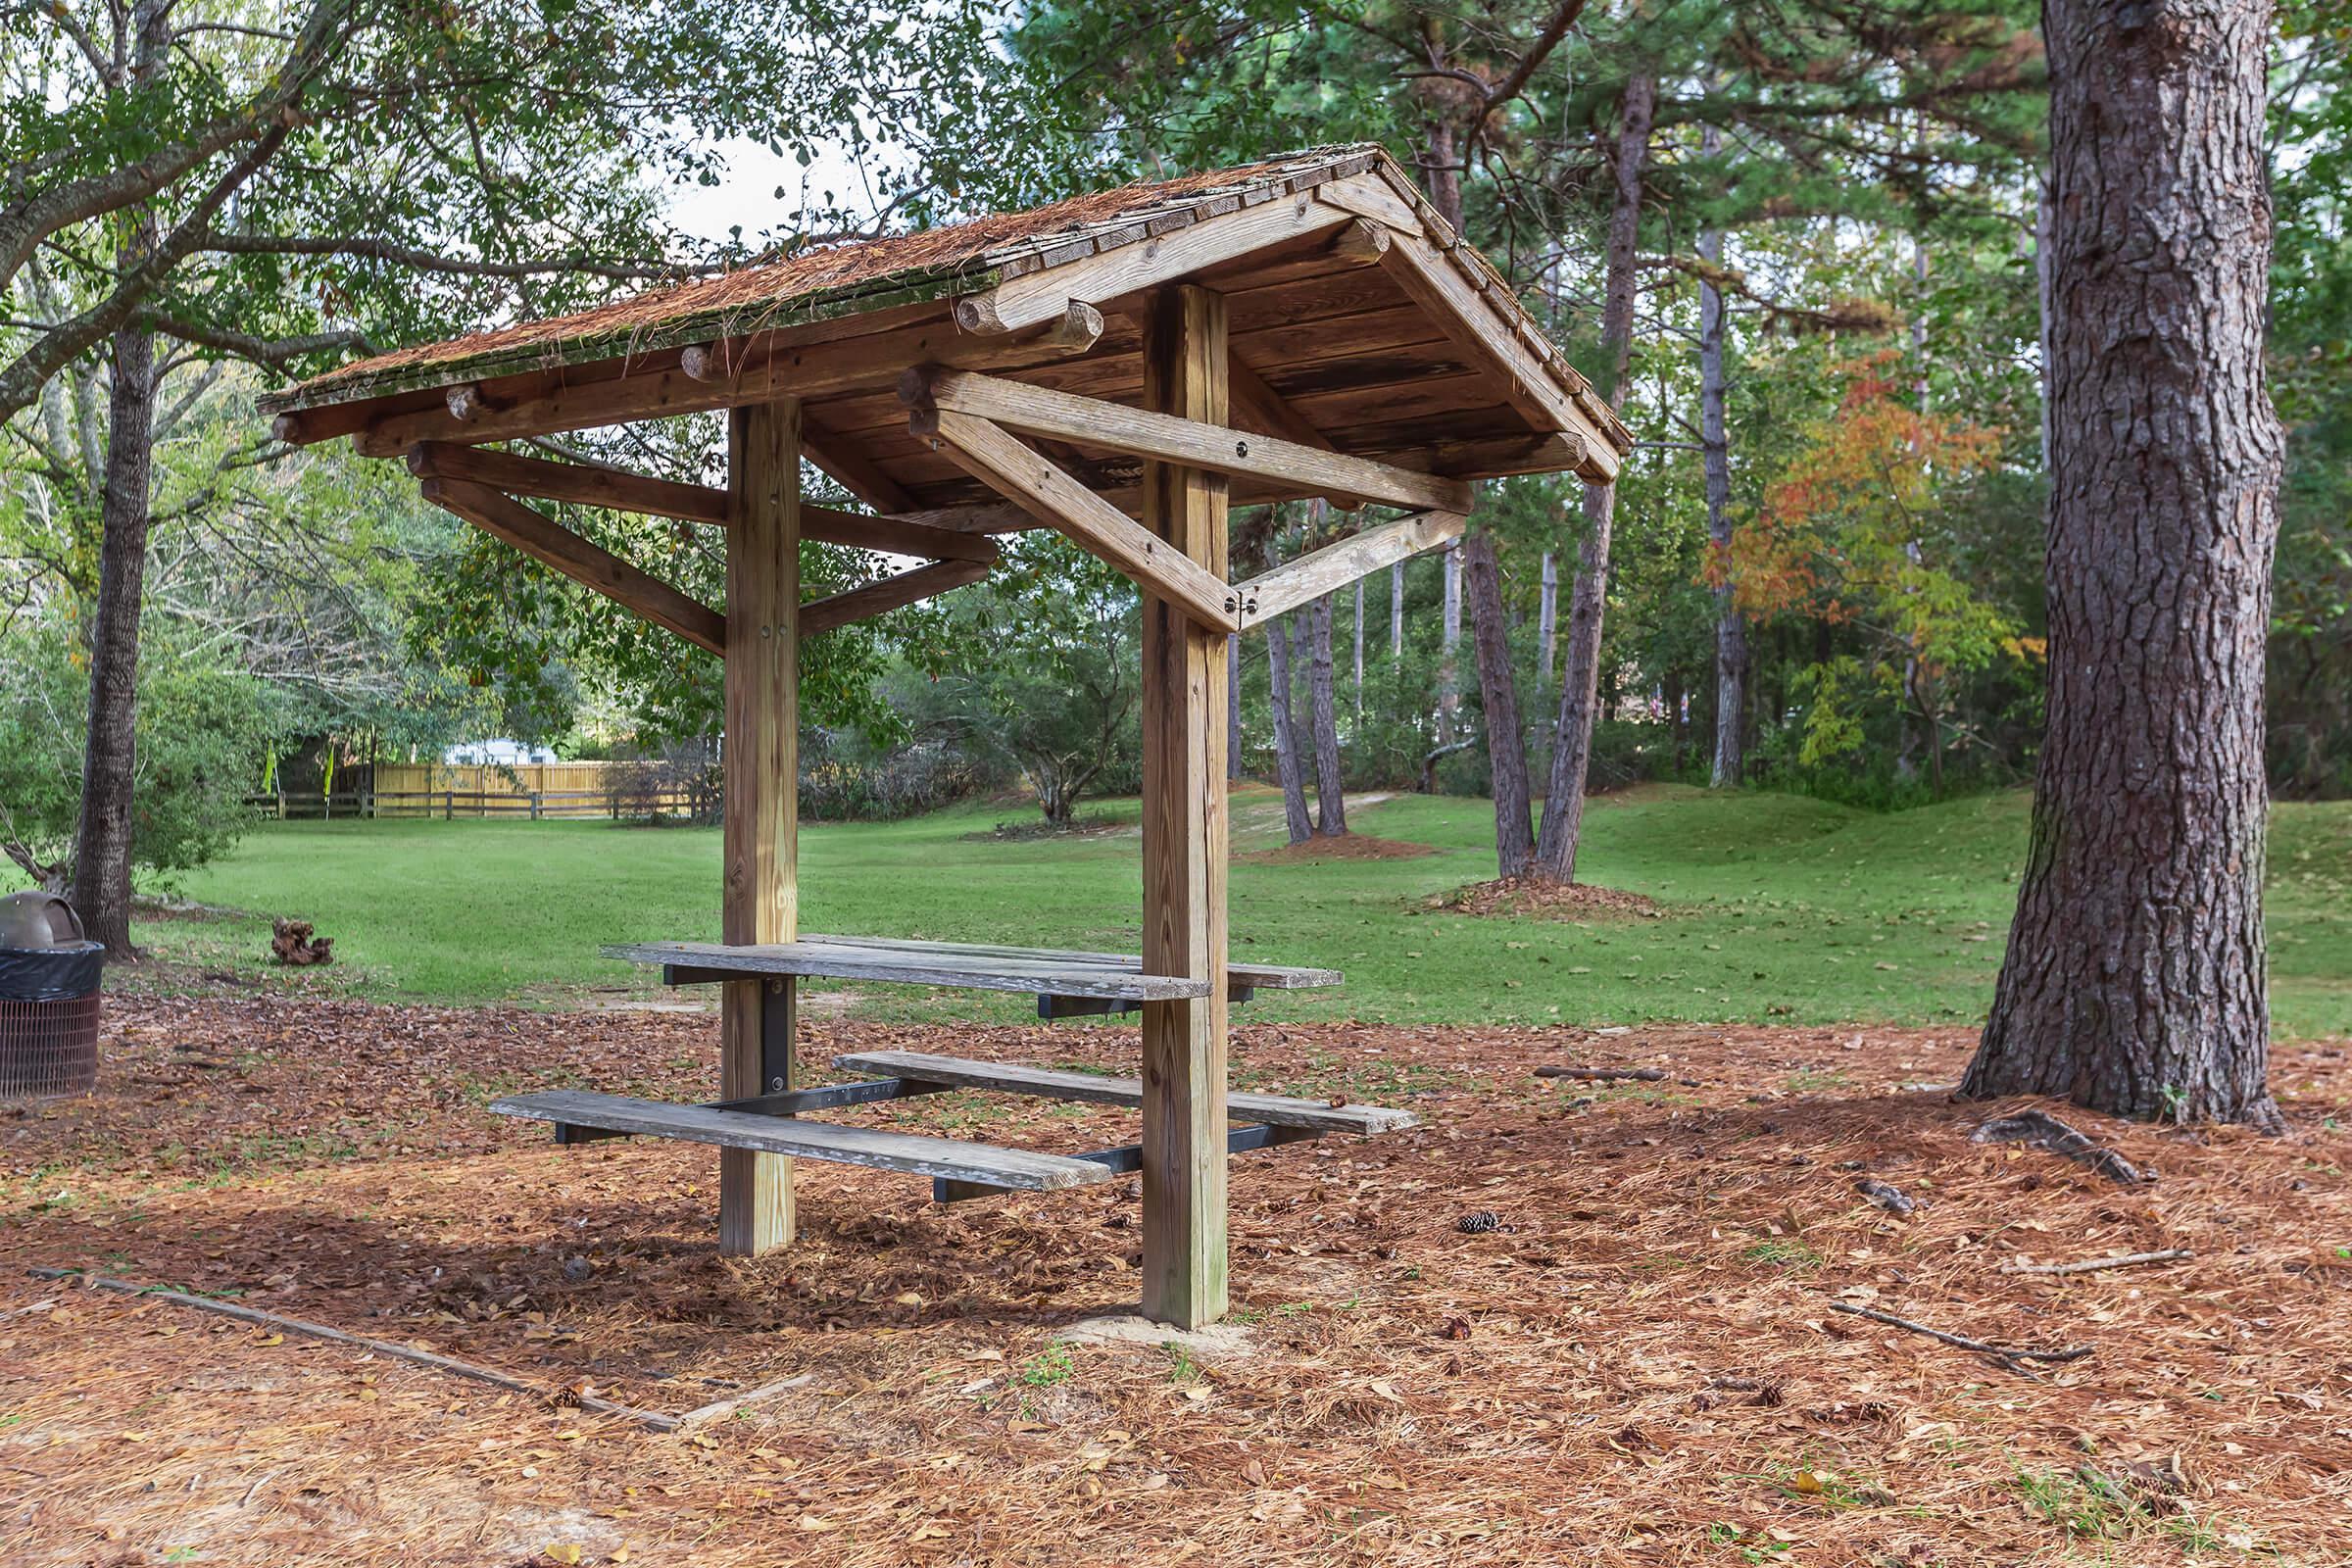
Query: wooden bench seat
1045, 971
942, 1158
1052, 1083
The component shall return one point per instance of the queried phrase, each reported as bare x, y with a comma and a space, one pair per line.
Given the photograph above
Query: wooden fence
535, 791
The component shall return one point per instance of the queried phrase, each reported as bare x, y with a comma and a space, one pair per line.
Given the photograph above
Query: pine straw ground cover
1639, 1362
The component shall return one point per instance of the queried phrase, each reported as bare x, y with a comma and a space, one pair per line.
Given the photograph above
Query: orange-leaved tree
1858, 533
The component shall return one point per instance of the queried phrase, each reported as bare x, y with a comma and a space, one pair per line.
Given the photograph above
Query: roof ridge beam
1032, 297
1025, 476
1163, 437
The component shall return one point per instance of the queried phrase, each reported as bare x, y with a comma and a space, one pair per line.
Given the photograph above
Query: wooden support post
1184, 697
762, 799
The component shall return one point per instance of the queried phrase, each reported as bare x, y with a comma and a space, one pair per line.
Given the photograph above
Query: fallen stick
2009, 1354
1604, 1075
319, 1331
2090, 1265
718, 1409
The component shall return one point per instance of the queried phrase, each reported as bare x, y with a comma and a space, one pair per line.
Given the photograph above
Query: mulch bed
1547, 900
1347, 846
1565, 1321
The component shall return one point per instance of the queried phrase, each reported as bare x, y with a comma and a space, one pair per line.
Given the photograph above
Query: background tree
1860, 532
250, 187
2134, 979
1051, 685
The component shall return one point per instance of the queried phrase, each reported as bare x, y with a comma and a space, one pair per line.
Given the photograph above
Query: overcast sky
746, 194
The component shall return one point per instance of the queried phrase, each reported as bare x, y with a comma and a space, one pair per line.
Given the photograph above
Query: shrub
202, 731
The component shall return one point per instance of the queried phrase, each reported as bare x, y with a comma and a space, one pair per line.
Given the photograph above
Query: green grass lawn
1781, 908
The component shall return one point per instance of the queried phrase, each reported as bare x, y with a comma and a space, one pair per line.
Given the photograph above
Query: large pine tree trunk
102, 847
2134, 977
1580, 672
1285, 730
1730, 626
1323, 717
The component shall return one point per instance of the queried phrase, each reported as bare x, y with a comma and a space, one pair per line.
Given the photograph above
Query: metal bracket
1129, 1157
1051, 1006
778, 1006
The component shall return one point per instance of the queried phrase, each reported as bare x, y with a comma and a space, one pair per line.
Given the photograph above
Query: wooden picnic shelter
1123, 368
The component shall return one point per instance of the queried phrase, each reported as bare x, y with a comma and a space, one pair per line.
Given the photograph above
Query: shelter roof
1359, 321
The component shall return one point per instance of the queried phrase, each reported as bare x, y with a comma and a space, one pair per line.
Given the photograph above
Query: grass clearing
1782, 909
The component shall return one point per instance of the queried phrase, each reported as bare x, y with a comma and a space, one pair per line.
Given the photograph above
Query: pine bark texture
1323, 718
1579, 671
102, 848
2133, 981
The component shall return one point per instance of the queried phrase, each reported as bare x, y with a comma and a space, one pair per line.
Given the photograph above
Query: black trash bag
51, 974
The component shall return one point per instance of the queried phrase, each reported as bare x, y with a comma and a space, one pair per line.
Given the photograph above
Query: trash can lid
33, 919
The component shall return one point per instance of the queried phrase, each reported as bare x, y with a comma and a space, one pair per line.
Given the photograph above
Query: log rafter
1107, 427
648, 596
623, 491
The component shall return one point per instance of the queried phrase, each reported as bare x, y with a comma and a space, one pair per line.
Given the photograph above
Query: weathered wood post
761, 830
1183, 722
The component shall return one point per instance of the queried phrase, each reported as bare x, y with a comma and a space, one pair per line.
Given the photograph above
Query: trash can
48, 999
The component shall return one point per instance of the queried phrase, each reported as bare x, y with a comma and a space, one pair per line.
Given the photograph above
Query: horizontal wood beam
1458, 307
898, 536
890, 593
1024, 475
1041, 296
623, 491
590, 565
1109, 426
759, 374
587, 486
987, 517
1335, 566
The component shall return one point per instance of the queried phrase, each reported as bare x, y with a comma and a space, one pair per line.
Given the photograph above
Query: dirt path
1638, 1361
